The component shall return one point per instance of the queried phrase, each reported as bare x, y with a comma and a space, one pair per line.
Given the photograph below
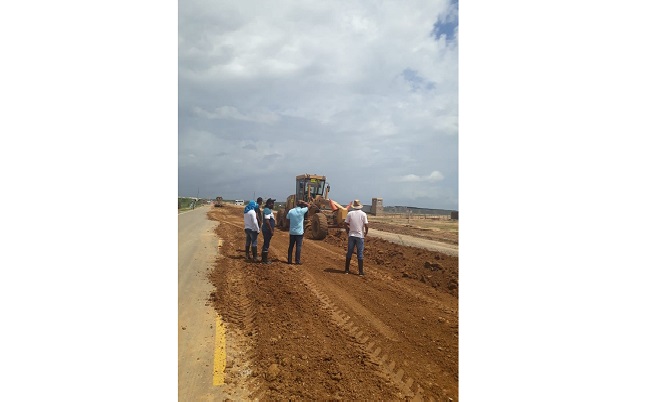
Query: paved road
197, 250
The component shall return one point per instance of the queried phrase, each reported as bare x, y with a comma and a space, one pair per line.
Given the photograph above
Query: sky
365, 93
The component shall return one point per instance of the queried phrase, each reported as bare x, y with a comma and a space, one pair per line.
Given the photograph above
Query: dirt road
412, 241
312, 332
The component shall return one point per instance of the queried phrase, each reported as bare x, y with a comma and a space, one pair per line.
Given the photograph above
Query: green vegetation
185, 203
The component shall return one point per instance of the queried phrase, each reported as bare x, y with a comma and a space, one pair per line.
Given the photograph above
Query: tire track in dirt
385, 362
382, 352
372, 349
388, 279
340, 259
239, 322
380, 278
248, 321
378, 315
244, 317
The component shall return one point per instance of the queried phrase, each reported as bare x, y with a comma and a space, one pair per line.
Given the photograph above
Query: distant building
377, 207
239, 202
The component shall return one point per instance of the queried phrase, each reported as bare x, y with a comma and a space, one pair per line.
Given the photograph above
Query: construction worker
268, 227
296, 217
252, 230
356, 226
258, 211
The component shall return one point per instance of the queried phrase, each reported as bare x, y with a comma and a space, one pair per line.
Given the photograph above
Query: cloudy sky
363, 92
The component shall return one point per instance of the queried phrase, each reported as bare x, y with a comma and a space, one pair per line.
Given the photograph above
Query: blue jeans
297, 240
357, 242
251, 238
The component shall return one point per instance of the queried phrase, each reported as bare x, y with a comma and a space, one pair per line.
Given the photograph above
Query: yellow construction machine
323, 212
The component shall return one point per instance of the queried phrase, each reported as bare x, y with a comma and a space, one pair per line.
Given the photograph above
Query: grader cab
323, 212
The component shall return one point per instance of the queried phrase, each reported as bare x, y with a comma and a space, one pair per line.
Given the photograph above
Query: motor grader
323, 213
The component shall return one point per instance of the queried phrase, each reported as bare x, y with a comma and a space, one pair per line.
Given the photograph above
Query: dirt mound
429, 267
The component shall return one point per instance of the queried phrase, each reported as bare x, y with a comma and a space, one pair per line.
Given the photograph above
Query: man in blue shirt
296, 217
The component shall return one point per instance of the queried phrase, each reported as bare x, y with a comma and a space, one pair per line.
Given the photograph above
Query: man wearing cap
296, 216
356, 225
268, 227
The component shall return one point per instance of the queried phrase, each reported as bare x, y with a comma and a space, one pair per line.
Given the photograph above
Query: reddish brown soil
310, 332
416, 231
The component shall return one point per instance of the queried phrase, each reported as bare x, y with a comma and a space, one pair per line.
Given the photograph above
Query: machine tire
319, 226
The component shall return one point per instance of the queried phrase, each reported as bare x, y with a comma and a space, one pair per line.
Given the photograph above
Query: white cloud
317, 87
433, 177
230, 112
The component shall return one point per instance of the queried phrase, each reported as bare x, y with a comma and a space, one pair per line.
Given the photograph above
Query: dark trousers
297, 241
267, 240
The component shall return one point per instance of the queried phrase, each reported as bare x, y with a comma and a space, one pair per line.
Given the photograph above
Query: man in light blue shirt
296, 217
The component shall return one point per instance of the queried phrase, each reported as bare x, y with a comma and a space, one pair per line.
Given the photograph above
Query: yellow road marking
219, 352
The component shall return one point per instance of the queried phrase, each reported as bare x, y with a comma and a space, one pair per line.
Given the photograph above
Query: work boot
265, 257
360, 267
248, 255
255, 254
347, 265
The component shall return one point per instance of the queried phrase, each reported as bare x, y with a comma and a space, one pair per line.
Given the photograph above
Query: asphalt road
197, 251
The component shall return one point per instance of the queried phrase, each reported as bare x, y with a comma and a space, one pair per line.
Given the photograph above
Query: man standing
268, 227
356, 225
296, 216
252, 229
258, 212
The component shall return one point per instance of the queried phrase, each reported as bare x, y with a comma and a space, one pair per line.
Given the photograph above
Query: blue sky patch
447, 24
417, 82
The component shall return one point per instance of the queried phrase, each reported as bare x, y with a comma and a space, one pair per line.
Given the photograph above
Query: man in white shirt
356, 225
252, 229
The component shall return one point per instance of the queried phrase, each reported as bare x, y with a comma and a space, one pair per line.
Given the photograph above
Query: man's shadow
334, 271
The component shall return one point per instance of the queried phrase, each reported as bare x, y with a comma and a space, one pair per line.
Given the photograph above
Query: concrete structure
377, 207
